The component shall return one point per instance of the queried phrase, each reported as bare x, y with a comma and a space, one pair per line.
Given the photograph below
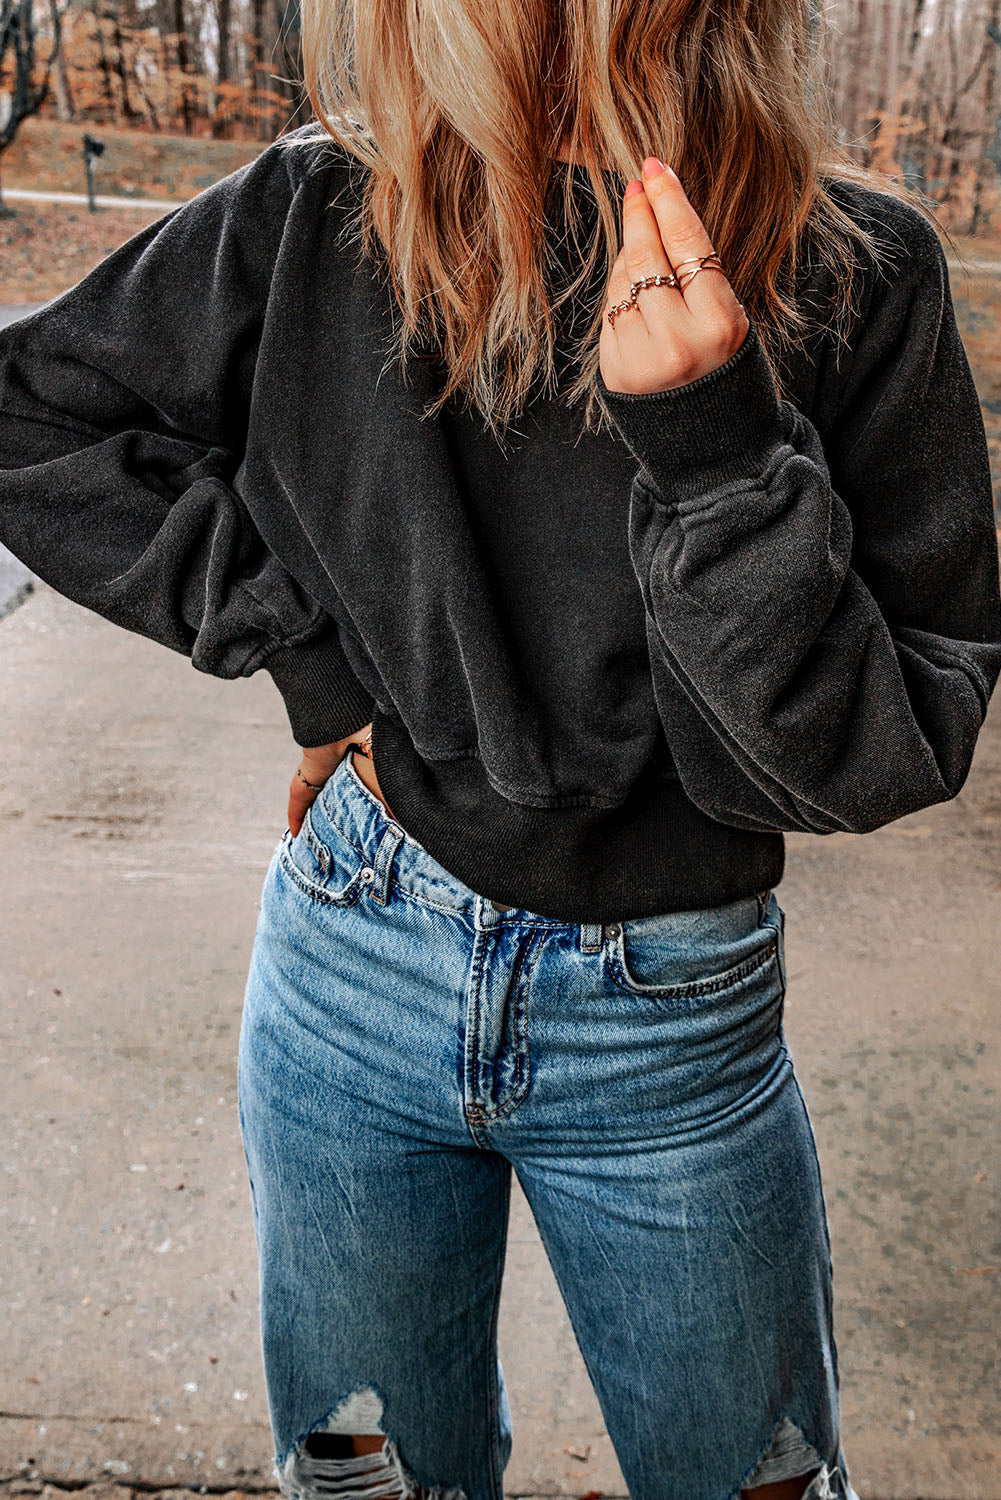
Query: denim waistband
393, 854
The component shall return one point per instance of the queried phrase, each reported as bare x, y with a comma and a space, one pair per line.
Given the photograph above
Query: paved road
134, 845
12, 311
15, 579
103, 200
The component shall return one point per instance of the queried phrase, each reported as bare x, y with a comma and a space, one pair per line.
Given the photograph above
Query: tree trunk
104, 64
65, 105
121, 63
293, 88
224, 16
163, 14
267, 112
187, 113
992, 153
26, 95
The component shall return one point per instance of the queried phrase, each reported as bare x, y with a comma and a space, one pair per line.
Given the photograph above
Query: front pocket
321, 862
641, 962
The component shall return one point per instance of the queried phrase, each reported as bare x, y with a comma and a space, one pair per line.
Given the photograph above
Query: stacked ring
670, 279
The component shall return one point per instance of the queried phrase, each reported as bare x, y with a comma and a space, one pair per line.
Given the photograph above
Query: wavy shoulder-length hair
458, 109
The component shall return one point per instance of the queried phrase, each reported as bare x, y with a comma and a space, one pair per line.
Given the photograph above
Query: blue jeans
404, 1043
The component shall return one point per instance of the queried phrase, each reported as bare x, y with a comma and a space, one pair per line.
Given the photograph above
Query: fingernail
652, 165
634, 187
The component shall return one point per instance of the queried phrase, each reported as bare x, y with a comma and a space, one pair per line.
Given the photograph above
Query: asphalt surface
10, 312
101, 200
140, 802
15, 579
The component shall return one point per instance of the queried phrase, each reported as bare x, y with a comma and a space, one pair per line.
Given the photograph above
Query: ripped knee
791, 1469
350, 1457
785, 1489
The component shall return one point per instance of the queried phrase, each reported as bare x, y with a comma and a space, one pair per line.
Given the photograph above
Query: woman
557, 702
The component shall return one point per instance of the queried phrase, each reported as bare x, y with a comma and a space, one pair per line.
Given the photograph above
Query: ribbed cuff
323, 698
717, 428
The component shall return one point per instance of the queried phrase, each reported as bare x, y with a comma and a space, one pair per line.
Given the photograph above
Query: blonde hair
458, 108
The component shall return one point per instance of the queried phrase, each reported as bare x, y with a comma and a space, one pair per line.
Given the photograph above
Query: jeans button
613, 929
367, 874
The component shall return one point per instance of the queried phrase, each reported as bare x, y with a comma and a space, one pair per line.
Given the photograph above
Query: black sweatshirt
607, 671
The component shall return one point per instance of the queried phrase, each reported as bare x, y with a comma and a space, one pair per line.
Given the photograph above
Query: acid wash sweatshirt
606, 672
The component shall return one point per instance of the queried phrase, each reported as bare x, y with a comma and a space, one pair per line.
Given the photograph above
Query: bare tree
17, 57
992, 114
113, 13
224, 16
184, 63
65, 104
915, 87
264, 38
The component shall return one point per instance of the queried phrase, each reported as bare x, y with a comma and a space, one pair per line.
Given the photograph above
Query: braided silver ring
638, 286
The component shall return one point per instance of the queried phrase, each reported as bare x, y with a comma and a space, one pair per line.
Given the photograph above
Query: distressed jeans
405, 1043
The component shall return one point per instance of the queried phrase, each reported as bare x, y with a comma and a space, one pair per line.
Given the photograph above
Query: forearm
819, 715
822, 651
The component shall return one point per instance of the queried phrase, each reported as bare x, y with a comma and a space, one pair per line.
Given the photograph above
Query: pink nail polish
634, 187
652, 165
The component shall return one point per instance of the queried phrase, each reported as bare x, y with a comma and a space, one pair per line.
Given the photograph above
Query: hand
671, 336
317, 765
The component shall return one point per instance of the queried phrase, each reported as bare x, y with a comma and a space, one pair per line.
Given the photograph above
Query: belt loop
383, 863
485, 914
592, 936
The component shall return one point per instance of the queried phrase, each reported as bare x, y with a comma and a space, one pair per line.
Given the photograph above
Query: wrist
335, 749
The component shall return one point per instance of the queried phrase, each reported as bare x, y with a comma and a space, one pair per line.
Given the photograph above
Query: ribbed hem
656, 852
715, 429
323, 698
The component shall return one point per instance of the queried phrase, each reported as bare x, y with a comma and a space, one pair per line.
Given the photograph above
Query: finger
684, 238
617, 290
642, 254
300, 798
